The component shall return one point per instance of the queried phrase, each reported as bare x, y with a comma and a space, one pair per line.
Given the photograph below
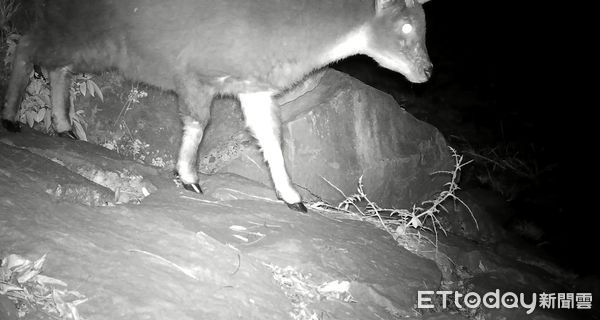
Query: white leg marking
192, 135
261, 117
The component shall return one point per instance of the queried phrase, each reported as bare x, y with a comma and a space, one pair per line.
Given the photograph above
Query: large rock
180, 255
75, 171
340, 130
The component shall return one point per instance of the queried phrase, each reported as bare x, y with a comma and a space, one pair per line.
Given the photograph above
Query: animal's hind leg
59, 95
194, 100
19, 77
262, 117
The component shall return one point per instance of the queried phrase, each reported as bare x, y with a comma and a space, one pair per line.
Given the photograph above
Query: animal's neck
329, 30
349, 44
352, 43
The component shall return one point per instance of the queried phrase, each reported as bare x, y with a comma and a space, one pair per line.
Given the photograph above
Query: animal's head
397, 38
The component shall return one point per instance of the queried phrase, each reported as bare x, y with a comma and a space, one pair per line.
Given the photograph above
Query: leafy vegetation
22, 281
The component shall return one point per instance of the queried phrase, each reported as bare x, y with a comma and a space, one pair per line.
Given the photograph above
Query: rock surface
339, 131
111, 179
238, 253
123, 256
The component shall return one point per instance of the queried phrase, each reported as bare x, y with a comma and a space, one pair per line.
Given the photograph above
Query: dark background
506, 77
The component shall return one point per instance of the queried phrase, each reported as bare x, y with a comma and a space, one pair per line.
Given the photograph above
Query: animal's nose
428, 70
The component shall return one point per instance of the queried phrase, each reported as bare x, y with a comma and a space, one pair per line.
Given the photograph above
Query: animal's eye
407, 28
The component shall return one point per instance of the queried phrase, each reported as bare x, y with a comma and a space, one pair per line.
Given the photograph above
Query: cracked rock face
339, 130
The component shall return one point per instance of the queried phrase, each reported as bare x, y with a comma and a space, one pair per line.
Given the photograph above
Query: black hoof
297, 207
194, 187
68, 134
11, 126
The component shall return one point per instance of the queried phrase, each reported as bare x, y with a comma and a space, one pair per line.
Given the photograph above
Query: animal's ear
382, 5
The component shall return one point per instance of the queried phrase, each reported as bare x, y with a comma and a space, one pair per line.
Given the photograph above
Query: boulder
74, 171
337, 131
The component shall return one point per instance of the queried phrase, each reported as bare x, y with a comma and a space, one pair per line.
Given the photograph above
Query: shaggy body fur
205, 48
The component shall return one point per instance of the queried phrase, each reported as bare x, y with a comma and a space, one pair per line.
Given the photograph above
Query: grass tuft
397, 222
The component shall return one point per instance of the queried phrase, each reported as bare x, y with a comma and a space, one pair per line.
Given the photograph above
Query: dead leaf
45, 280
82, 88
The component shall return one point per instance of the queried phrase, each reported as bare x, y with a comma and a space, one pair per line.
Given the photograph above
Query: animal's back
267, 42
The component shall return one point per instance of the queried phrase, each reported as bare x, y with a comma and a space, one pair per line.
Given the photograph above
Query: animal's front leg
262, 117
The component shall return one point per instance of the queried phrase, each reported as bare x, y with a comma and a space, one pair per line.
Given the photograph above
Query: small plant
134, 96
397, 221
22, 282
36, 112
81, 84
36, 108
122, 139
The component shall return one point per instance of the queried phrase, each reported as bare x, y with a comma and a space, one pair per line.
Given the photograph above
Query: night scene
294, 159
